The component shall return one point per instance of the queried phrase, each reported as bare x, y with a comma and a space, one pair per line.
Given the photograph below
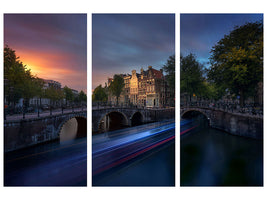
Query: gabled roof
157, 73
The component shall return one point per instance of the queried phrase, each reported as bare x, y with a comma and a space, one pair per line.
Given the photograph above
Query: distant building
51, 83
75, 92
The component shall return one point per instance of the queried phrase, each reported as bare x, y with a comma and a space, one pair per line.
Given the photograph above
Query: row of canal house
148, 88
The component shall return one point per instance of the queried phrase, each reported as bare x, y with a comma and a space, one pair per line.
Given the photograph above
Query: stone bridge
26, 132
106, 119
235, 123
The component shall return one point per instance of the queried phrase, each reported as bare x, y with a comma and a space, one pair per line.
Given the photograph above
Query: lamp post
23, 109
38, 113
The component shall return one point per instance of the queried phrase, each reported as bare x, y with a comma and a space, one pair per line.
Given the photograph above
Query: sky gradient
200, 32
124, 42
53, 46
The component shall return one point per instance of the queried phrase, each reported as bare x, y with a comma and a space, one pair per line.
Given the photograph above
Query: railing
39, 113
106, 105
249, 109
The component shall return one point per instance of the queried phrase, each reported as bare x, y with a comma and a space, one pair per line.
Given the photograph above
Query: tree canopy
68, 94
99, 94
53, 94
19, 82
82, 96
169, 68
116, 86
237, 61
191, 76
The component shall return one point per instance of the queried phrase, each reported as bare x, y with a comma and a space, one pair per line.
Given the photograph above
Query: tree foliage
19, 82
116, 86
169, 68
191, 76
82, 96
237, 61
54, 94
68, 94
99, 94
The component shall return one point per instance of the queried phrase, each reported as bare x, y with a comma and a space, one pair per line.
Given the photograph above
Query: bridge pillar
106, 123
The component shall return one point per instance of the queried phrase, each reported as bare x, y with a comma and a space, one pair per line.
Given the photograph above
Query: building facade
145, 89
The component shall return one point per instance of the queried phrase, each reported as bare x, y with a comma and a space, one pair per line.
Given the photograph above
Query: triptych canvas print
140, 108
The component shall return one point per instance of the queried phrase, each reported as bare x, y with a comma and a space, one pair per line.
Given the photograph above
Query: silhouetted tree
169, 68
99, 94
82, 96
19, 82
116, 86
191, 76
68, 94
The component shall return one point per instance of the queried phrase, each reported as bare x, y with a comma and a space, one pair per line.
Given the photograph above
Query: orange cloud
47, 65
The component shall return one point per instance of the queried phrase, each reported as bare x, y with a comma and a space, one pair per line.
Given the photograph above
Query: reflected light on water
69, 130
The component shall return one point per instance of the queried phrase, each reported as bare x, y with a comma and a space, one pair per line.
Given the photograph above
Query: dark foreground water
156, 168
214, 158
53, 164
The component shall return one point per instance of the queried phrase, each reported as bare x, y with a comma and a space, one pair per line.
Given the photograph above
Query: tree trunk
40, 104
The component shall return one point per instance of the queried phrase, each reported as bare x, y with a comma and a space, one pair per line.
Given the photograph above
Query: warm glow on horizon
52, 46
43, 67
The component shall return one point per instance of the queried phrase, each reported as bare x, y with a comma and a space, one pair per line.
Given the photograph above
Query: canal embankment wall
238, 124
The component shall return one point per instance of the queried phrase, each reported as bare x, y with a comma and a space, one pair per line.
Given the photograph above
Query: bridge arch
189, 113
137, 118
72, 127
112, 121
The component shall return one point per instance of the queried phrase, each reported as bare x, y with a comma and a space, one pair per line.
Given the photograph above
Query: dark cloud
123, 42
200, 32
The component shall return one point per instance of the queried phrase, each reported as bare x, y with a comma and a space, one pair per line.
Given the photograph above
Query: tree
32, 87
19, 82
54, 94
191, 76
99, 94
68, 94
169, 68
237, 61
116, 86
82, 96
13, 75
39, 89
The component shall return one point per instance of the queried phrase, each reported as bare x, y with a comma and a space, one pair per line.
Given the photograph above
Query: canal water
157, 168
57, 163
210, 157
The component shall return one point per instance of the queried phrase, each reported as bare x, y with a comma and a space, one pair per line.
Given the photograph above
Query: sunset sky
124, 42
53, 46
200, 32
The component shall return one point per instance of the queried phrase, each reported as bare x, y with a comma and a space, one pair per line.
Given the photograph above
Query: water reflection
214, 158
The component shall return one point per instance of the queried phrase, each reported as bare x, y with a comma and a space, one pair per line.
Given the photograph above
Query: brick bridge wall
23, 133
149, 115
236, 124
